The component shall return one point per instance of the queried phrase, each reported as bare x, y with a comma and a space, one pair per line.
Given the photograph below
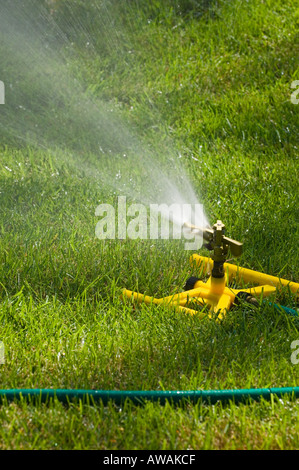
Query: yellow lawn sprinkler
214, 293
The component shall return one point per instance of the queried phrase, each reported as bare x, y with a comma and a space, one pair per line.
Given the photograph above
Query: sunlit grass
217, 86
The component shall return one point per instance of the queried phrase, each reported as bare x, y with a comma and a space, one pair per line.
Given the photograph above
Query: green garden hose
142, 396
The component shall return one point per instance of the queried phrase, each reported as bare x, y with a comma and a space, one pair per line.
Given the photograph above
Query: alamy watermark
2, 353
295, 353
294, 99
158, 221
2, 93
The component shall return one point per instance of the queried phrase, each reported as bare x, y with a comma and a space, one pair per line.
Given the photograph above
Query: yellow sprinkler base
215, 292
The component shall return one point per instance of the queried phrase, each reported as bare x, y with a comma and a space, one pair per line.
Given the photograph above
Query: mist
49, 107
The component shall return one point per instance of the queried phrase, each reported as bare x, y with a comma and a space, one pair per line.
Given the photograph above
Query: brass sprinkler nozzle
219, 244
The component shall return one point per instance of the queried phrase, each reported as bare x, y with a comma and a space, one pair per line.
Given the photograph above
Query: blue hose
140, 397
288, 310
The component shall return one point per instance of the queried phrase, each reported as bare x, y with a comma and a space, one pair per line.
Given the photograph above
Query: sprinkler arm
218, 243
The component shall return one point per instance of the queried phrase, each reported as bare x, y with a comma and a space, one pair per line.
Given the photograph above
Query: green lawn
140, 90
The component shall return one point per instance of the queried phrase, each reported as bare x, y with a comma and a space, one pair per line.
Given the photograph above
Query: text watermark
294, 99
2, 93
295, 353
159, 221
2, 353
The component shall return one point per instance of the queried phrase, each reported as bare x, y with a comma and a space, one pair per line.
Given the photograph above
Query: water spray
214, 297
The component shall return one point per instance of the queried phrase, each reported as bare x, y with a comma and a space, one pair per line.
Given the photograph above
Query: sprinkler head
218, 243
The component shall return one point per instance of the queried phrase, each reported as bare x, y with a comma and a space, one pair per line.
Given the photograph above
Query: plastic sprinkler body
214, 293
